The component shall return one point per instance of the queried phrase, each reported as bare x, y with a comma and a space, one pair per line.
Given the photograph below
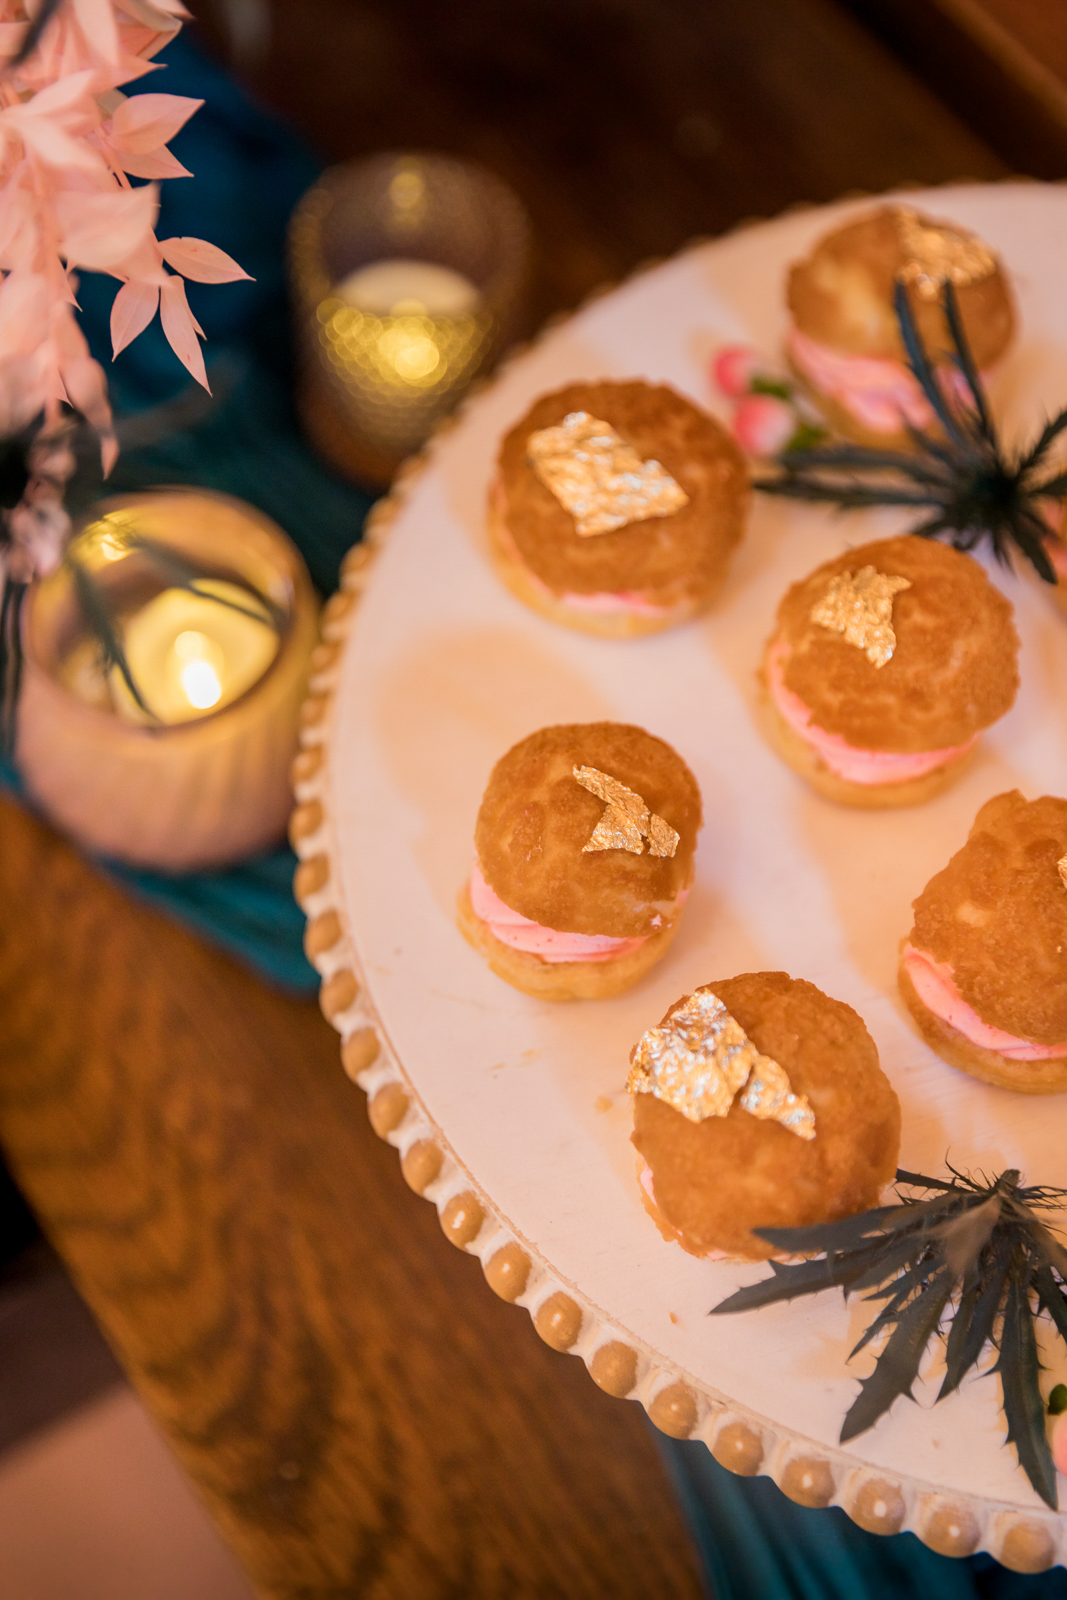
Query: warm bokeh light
201, 684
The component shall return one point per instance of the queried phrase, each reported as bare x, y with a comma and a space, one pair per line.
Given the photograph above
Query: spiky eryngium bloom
981, 1242
962, 476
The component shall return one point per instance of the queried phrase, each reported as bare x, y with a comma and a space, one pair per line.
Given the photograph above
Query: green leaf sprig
970, 486
976, 1252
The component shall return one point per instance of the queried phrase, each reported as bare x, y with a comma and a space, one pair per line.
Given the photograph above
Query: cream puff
615, 507
984, 969
584, 845
759, 1103
885, 666
845, 345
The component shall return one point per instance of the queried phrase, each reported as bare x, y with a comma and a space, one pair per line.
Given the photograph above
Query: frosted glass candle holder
378, 374
174, 795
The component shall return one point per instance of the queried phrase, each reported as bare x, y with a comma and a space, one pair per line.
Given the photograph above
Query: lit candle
190, 655
397, 288
204, 780
389, 316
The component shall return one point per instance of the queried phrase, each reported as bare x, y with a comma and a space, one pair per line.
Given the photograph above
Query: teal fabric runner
758, 1545
249, 171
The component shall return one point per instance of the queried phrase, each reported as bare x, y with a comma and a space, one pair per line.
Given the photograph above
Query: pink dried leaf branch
69, 144
132, 310
141, 125
180, 326
204, 263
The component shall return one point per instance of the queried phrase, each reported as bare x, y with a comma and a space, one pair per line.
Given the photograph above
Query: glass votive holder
408, 274
182, 762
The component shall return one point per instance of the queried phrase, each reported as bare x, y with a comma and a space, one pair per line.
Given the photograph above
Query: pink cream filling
629, 601
877, 393
935, 984
519, 933
842, 758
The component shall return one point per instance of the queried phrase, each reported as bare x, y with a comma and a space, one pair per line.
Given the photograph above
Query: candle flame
201, 684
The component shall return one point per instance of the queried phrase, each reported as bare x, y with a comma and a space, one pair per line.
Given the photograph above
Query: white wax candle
399, 287
190, 656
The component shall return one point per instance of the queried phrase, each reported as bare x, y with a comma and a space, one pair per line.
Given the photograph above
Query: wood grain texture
1001, 65
360, 1414
626, 126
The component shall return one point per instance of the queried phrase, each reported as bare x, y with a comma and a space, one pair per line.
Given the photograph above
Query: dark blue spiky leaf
1051, 1298
897, 1365
789, 1281
973, 488
973, 1330
1018, 1367
984, 1238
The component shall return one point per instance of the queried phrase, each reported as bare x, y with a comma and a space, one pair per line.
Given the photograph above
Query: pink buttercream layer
877, 393
842, 758
935, 984
628, 600
617, 601
519, 933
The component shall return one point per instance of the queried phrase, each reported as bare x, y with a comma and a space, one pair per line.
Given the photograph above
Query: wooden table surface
1002, 64
359, 1413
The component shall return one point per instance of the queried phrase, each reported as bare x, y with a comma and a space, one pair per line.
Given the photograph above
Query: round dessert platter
510, 1114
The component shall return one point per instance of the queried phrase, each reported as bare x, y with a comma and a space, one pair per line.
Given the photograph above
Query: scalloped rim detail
732, 1432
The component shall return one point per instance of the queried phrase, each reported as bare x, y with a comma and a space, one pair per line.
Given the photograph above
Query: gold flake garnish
860, 605
662, 839
938, 253
699, 1059
598, 477
626, 823
1061, 868
615, 831
768, 1095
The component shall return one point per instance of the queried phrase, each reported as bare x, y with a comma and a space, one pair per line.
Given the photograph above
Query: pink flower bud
732, 369
1059, 1442
764, 425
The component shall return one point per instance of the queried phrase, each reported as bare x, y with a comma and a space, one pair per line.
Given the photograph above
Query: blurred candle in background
408, 273
405, 297
396, 288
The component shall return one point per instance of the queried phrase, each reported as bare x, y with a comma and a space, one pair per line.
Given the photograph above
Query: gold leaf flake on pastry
662, 838
860, 605
938, 253
1061, 868
626, 822
769, 1095
598, 478
616, 831
614, 793
699, 1059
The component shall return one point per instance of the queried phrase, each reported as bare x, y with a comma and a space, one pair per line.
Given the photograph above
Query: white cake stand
511, 1115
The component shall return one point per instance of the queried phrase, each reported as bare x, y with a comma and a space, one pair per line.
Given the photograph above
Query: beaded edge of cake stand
809, 1473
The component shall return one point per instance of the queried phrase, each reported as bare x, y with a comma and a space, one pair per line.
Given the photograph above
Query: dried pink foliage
69, 144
